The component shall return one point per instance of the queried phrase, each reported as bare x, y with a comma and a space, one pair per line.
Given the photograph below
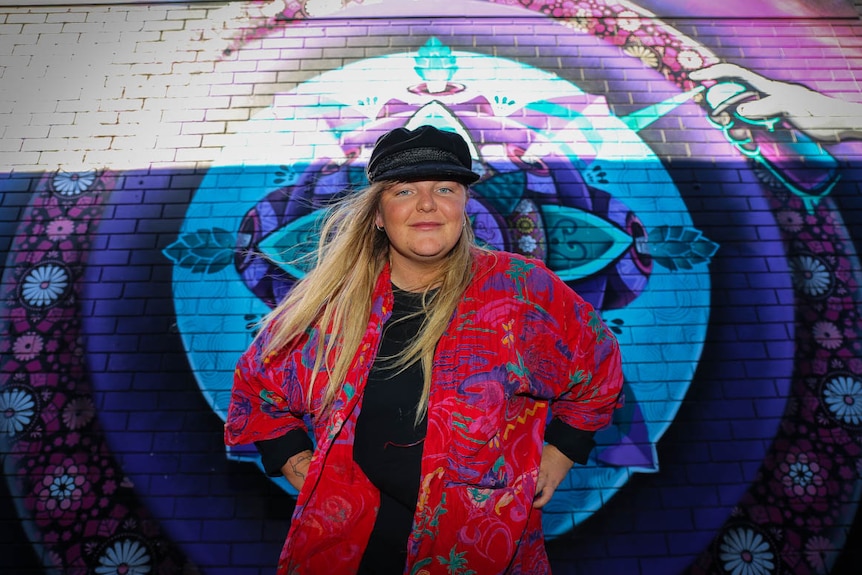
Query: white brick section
124, 85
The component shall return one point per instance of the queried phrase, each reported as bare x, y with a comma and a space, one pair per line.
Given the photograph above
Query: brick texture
132, 135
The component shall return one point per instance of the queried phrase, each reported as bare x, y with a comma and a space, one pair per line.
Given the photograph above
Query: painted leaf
203, 251
680, 247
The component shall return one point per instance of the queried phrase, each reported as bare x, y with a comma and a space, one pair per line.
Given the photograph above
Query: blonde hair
335, 296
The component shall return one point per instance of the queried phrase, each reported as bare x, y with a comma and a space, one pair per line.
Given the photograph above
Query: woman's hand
296, 468
552, 470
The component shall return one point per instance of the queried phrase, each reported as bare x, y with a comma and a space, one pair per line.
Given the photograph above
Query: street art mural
729, 275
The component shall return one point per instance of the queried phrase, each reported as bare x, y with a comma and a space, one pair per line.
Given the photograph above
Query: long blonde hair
335, 296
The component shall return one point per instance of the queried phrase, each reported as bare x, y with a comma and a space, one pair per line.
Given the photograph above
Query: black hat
424, 153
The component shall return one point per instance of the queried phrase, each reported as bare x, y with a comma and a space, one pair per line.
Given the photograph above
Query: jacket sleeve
576, 444
267, 399
592, 381
571, 357
274, 453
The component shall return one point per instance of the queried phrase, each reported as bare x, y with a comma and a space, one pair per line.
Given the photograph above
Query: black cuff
575, 444
274, 453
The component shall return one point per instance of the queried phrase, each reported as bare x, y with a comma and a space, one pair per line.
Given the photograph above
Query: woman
427, 369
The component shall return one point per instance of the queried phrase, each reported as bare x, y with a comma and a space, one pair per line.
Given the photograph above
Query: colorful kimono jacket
521, 346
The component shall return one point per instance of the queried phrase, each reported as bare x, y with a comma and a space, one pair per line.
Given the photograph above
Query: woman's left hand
552, 471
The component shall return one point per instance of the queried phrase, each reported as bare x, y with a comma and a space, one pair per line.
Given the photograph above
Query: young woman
449, 388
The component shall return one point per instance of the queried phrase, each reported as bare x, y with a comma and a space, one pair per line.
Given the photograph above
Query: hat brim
429, 171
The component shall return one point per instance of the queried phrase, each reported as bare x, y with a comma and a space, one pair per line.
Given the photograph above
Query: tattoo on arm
297, 462
295, 469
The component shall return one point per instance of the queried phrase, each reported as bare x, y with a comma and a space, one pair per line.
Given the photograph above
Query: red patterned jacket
520, 343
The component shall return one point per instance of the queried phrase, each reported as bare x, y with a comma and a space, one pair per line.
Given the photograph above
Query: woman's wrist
295, 469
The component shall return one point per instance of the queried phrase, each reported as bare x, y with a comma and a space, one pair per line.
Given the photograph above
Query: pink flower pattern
59, 229
27, 346
802, 476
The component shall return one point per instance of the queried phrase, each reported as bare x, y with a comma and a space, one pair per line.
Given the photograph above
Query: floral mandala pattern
810, 275
827, 335
820, 553
27, 346
60, 462
843, 398
73, 493
45, 284
79, 412
802, 476
799, 491
17, 408
59, 229
125, 557
743, 551
70, 184
62, 489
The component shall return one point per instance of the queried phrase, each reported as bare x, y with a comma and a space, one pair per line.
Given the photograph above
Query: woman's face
423, 221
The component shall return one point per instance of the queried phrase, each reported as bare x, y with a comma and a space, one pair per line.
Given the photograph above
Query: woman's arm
296, 468
267, 402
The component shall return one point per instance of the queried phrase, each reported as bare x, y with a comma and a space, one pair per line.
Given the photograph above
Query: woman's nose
425, 201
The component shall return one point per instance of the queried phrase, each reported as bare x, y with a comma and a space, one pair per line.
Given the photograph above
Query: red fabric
520, 343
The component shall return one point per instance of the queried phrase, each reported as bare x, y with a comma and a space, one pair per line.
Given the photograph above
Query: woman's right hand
296, 468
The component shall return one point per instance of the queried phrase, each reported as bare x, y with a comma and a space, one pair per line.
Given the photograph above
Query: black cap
424, 153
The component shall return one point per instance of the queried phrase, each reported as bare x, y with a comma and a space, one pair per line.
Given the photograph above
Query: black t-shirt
388, 443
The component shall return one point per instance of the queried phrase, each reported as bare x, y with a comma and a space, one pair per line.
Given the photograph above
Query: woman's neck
415, 280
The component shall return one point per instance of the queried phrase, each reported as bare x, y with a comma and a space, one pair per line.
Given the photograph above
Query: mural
728, 274
752, 8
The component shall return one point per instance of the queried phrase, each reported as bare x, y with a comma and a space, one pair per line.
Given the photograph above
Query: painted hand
818, 115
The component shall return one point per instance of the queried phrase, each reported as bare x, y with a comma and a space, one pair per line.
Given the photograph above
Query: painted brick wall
135, 139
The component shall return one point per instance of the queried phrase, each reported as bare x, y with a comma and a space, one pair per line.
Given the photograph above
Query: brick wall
137, 141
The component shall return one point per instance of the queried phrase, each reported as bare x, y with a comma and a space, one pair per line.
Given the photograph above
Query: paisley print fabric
522, 347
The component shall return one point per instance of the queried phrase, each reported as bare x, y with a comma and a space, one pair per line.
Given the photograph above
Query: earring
379, 228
